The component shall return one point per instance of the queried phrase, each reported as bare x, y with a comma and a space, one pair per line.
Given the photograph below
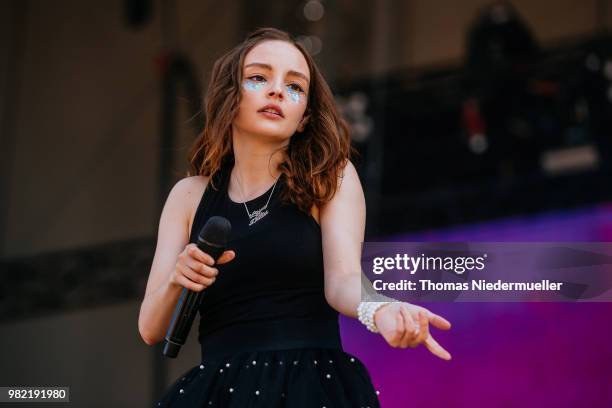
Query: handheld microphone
211, 240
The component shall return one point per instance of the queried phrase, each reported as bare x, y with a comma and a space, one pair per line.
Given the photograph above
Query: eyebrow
269, 67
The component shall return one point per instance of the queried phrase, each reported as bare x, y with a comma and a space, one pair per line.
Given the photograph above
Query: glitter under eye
294, 94
253, 85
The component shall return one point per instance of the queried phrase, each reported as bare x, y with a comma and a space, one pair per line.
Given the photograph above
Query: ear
303, 122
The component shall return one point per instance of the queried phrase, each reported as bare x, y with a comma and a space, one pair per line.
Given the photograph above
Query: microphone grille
216, 230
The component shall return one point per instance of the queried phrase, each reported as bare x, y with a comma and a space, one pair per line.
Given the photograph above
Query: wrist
172, 286
377, 314
366, 312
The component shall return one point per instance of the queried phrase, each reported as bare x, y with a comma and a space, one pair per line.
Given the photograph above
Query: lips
271, 108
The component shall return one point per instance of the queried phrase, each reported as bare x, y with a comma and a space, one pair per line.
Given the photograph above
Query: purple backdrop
504, 354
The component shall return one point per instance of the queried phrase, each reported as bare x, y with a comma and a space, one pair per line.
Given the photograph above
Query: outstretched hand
407, 325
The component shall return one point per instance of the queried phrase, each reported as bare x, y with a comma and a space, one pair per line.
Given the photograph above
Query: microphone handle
187, 308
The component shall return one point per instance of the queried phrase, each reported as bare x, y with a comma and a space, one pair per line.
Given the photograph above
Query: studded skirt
292, 363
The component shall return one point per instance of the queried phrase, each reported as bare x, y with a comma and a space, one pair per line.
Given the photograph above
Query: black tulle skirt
288, 364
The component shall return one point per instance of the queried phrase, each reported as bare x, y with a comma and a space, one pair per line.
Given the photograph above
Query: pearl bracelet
366, 311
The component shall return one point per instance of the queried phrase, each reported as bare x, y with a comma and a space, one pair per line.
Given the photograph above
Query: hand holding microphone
194, 271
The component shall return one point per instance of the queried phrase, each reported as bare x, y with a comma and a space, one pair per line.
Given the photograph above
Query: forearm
156, 312
349, 290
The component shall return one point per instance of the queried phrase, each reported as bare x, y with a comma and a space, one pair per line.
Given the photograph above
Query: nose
276, 89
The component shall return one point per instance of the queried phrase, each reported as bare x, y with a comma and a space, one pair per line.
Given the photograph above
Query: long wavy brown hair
313, 160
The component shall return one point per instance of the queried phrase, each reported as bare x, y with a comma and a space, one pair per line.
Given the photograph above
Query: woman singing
274, 160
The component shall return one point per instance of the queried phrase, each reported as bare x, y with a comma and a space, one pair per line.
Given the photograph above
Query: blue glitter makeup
294, 95
253, 85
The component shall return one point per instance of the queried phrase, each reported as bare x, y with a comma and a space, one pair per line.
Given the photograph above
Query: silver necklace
257, 214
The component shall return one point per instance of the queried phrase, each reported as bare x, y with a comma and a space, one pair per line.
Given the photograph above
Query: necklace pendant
257, 215
263, 211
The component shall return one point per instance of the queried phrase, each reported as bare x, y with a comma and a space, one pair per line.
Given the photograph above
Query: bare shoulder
190, 190
350, 171
349, 192
348, 182
192, 185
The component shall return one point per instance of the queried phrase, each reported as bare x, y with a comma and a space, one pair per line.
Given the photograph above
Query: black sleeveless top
268, 336
278, 269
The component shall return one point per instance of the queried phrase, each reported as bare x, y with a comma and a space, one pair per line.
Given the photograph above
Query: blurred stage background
475, 121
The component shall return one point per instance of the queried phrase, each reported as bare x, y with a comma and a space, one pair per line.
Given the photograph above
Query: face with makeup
274, 73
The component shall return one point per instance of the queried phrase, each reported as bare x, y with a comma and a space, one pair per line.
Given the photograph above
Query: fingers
438, 321
203, 269
410, 327
191, 279
205, 258
411, 333
199, 255
399, 330
197, 277
194, 269
423, 322
436, 349
226, 257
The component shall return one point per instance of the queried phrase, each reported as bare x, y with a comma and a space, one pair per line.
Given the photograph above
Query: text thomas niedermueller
458, 265
475, 285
